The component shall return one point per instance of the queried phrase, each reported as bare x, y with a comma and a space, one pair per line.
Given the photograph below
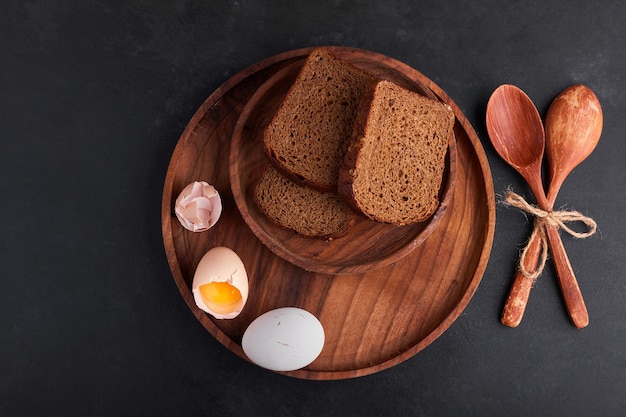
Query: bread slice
393, 168
309, 134
308, 212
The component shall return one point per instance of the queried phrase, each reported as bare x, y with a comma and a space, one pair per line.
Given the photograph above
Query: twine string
543, 218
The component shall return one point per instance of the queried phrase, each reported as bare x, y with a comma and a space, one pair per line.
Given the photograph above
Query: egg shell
284, 339
198, 206
220, 264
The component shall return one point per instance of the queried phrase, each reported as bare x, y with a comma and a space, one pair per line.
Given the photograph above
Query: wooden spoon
517, 134
573, 129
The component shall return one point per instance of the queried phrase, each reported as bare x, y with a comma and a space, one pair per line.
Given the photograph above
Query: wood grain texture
372, 320
368, 244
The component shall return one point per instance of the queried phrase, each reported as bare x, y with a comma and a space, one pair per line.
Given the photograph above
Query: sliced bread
308, 212
393, 168
309, 134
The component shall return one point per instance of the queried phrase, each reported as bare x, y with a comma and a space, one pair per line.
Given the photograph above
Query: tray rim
473, 283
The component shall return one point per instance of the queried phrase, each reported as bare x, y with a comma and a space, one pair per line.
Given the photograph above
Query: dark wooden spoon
517, 134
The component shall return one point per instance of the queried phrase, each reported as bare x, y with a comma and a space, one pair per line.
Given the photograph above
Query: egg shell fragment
198, 207
284, 339
221, 264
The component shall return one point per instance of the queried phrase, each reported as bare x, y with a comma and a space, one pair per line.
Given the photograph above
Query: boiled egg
220, 283
284, 339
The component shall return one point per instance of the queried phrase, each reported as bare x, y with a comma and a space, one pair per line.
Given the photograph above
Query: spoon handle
520, 290
567, 280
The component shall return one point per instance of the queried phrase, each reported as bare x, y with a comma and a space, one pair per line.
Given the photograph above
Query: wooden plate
368, 244
372, 320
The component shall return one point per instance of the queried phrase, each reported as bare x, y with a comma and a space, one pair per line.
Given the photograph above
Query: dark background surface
93, 98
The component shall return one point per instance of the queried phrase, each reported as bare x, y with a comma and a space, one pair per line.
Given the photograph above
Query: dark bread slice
393, 169
308, 212
309, 134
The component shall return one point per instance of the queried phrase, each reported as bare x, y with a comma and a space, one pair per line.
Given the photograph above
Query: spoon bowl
517, 134
573, 128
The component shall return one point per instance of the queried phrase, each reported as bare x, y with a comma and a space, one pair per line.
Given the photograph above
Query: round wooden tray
368, 244
372, 320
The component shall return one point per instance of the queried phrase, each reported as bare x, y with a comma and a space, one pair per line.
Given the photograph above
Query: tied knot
558, 219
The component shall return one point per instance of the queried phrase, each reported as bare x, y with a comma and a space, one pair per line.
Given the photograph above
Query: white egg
284, 339
220, 283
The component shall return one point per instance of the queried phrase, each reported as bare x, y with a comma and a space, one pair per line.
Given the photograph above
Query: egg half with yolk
220, 283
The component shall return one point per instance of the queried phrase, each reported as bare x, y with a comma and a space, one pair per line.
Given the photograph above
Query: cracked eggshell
221, 264
198, 207
284, 339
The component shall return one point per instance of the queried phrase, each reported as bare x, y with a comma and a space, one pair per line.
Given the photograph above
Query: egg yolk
221, 297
